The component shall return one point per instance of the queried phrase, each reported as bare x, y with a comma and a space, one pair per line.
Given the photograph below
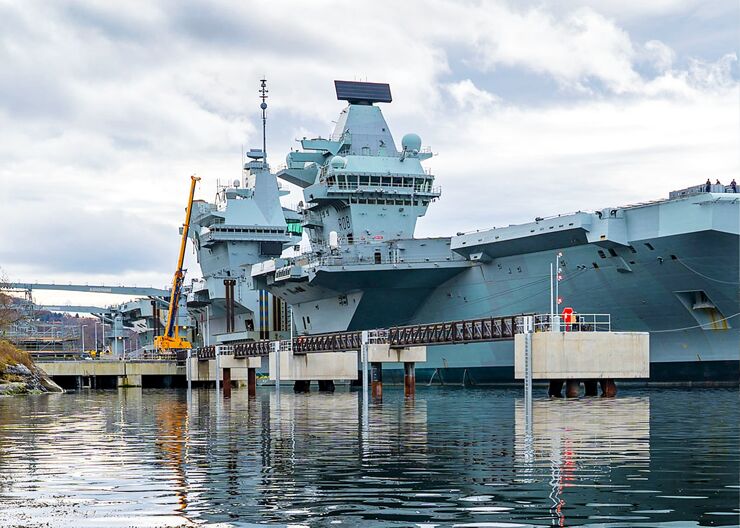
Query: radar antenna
263, 95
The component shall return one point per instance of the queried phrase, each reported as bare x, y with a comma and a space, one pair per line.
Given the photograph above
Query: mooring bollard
252, 382
409, 379
377, 380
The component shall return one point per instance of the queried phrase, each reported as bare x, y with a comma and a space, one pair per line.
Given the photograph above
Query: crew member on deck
733, 185
717, 182
569, 317
708, 186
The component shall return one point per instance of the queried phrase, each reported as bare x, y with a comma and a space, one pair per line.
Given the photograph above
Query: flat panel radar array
355, 92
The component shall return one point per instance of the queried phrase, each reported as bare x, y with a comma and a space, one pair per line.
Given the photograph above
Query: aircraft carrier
668, 267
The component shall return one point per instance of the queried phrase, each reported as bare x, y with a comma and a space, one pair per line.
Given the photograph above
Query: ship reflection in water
582, 445
460, 457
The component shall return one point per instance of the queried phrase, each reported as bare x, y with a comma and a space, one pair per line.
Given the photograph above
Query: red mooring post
608, 388
377, 380
226, 379
409, 379
252, 382
572, 388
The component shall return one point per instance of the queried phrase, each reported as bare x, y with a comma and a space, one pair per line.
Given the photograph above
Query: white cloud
660, 55
511, 164
628, 10
467, 95
573, 49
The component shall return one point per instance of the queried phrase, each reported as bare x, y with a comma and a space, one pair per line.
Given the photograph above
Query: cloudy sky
533, 108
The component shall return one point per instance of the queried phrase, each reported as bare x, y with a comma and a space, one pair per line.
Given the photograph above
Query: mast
263, 95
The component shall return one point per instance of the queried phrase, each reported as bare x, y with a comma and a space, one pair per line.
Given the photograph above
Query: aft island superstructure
244, 225
669, 267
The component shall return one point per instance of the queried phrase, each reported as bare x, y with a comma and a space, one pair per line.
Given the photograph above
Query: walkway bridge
443, 333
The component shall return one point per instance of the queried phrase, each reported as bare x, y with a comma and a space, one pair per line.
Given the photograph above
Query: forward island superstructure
669, 267
245, 225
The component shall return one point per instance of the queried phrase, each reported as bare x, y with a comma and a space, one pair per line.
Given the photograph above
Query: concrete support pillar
252, 382
79, 383
130, 380
409, 379
608, 388
302, 386
572, 388
591, 387
227, 382
377, 380
326, 386
556, 389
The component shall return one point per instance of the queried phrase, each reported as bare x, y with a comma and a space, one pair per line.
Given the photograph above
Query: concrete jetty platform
591, 358
158, 372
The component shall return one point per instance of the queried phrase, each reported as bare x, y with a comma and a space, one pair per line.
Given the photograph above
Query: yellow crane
171, 339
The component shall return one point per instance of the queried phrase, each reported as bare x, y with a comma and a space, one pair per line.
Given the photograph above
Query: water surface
451, 457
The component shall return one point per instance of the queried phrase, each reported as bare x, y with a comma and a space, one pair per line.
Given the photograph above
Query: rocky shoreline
20, 375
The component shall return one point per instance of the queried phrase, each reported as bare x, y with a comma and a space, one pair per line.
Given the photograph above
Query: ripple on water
450, 457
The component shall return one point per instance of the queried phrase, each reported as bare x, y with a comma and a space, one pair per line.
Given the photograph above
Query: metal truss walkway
445, 333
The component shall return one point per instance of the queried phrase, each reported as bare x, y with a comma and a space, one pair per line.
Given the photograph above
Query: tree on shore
9, 312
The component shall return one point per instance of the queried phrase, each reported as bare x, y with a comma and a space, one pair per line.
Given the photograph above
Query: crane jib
171, 320
171, 339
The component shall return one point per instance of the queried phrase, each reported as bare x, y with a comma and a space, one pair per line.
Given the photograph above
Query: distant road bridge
72, 308
93, 288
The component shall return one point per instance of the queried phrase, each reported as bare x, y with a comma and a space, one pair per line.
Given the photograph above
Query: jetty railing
575, 322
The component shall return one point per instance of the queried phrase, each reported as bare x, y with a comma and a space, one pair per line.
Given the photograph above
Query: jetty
557, 350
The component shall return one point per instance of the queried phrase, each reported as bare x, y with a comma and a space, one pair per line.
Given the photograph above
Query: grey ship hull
651, 287
668, 267
647, 299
